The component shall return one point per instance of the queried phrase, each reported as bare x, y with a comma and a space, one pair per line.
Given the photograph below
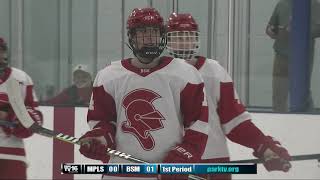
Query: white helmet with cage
182, 36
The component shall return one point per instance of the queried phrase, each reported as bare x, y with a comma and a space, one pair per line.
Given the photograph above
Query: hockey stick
16, 102
293, 158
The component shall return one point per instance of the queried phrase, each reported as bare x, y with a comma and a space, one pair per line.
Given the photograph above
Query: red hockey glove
275, 157
20, 131
95, 143
180, 154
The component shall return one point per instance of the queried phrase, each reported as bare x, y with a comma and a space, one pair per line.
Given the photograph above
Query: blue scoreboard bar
140, 169
159, 168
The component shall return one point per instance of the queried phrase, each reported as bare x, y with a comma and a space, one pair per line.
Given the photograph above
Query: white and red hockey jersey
12, 147
151, 110
227, 115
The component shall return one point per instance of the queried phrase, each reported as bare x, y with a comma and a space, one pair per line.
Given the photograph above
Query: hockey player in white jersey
12, 153
227, 116
149, 106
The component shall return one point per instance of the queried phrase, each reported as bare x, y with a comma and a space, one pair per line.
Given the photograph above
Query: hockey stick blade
293, 158
18, 106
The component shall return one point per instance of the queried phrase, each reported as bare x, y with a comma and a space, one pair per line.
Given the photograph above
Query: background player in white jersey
149, 106
227, 116
12, 153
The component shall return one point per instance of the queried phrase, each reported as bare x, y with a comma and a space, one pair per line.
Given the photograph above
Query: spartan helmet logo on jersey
142, 116
182, 36
146, 34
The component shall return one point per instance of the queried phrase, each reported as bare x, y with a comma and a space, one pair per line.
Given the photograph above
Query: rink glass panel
48, 37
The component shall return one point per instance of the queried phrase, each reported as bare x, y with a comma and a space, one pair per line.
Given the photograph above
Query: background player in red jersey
12, 153
149, 106
227, 116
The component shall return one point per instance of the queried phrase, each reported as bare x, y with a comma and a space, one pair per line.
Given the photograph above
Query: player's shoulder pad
21, 76
109, 73
212, 68
179, 68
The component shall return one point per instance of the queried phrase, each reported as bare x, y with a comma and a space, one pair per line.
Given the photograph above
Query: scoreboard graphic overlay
68, 168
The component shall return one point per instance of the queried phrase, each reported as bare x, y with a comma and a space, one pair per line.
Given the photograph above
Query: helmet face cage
183, 44
147, 42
